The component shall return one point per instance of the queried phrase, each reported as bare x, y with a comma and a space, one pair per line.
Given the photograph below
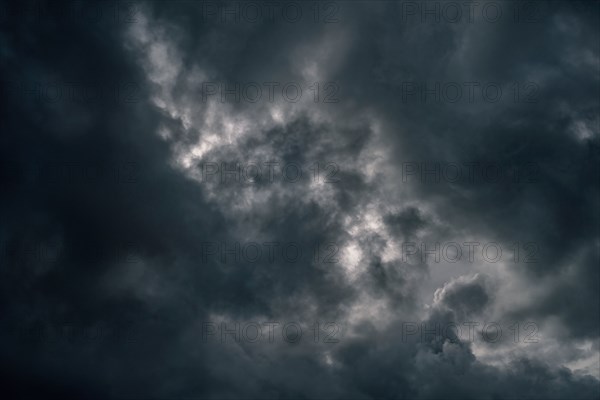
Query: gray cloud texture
154, 213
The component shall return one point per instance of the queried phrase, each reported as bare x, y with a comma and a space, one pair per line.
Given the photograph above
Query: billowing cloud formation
302, 200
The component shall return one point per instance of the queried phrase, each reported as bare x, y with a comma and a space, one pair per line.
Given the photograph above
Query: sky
300, 199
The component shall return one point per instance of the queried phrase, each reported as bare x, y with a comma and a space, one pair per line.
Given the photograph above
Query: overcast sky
300, 200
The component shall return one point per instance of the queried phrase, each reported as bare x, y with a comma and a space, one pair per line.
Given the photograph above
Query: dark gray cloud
178, 176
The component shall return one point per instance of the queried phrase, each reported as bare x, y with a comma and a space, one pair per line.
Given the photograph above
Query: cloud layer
305, 200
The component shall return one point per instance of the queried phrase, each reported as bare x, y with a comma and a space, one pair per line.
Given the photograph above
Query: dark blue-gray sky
115, 115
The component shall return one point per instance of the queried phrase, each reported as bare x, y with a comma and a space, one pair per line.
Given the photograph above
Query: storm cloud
296, 200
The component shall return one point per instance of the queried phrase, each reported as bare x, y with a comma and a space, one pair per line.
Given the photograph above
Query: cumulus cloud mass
300, 199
